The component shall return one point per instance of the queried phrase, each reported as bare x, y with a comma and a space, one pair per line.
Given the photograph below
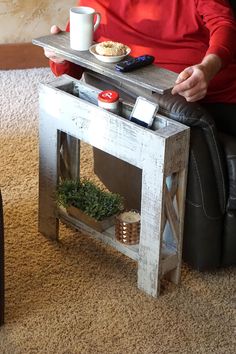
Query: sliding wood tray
150, 77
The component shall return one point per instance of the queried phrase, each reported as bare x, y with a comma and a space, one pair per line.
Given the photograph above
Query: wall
22, 20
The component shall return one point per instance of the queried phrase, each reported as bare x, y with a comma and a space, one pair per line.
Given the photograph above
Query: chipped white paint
159, 153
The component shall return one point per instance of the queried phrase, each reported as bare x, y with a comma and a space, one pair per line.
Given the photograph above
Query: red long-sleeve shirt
178, 33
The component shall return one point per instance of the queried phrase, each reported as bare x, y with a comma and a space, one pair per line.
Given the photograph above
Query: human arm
217, 17
59, 65
192, 82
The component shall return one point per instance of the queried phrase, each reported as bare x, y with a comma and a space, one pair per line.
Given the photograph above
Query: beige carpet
78, 295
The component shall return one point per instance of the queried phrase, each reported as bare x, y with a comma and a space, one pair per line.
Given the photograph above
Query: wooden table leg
149, 272
48, 176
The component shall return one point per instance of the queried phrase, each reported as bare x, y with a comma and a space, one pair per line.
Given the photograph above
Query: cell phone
144, 112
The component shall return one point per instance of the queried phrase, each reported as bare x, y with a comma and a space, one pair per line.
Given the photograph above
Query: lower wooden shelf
169, 257
107, 236
159, 153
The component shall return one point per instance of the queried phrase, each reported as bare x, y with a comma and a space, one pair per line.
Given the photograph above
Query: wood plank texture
151, 77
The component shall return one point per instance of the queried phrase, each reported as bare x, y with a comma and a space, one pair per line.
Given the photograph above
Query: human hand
192, 82
51, 54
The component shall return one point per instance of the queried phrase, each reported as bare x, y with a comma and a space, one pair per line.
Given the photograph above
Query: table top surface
150, 77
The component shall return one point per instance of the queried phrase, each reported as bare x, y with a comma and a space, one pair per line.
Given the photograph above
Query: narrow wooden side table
68, 105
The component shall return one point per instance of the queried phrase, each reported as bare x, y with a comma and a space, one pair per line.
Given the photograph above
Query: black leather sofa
210, 212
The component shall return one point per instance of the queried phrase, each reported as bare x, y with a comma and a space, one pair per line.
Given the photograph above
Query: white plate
106, 58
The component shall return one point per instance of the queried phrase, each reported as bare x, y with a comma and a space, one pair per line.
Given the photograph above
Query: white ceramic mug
82, 27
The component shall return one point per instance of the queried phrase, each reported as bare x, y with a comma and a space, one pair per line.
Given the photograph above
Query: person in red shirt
195, 39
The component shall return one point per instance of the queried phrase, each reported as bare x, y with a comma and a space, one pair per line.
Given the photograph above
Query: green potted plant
84, 200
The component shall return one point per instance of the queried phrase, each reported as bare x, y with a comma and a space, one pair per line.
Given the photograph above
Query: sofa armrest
229, 146
189, 113
207, 189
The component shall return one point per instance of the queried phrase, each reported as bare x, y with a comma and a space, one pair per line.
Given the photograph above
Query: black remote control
134, 63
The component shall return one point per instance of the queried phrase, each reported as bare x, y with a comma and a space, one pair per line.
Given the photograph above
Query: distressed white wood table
151, 77
70, 106
160, 153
